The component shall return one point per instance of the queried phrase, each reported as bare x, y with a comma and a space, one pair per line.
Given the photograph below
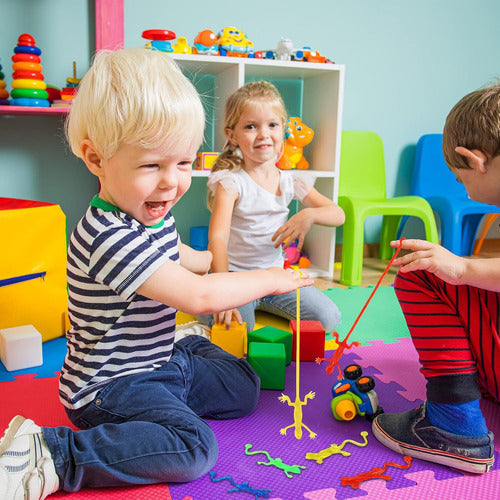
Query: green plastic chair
362, 192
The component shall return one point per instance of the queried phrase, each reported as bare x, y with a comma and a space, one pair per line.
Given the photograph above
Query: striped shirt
115, 331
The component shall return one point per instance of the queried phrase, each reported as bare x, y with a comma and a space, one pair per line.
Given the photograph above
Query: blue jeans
314, 306
147, 428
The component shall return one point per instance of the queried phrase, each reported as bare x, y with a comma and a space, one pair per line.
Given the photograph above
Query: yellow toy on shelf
297, 136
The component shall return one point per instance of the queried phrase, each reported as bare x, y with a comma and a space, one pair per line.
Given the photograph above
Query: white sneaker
191, 328
27, 470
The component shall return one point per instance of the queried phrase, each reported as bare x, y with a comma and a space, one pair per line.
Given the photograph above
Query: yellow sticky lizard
297, 404
336, 449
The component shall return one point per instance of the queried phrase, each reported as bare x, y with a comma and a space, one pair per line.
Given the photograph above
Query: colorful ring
4, 102
24, 83
39, 103
28, 66
29, 93
26, 58
4, 94
2, 84
26, 49
30, 75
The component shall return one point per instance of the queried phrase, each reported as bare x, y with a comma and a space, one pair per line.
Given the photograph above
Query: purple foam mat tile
262, 431
403, 360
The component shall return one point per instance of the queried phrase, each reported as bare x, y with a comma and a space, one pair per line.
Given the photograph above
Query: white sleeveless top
257, 214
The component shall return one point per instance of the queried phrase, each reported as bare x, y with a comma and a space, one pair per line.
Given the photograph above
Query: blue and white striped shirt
115, 331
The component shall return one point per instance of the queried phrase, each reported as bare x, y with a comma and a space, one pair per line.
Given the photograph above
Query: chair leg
451, 232
389, 232
352, 251
490, 219
470, 227
430, 226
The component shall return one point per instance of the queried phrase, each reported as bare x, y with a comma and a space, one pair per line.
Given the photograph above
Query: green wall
407, 63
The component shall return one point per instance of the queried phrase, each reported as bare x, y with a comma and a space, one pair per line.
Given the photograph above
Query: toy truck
354, 395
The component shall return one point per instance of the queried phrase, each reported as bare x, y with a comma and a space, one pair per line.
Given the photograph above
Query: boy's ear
91, 157
475, 158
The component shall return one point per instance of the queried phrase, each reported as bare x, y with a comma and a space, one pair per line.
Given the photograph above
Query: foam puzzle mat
391, 361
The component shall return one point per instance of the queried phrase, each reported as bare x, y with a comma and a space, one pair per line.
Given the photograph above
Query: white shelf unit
320, 95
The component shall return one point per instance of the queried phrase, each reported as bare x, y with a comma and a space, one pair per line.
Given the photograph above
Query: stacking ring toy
24, 83
39, 103
30, 75
26, 49
29, 93
26, 58
29, 66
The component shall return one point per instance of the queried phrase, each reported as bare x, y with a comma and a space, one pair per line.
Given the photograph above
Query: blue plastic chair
433, 180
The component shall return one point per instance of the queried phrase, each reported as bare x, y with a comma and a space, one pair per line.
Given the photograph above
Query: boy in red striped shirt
452, 307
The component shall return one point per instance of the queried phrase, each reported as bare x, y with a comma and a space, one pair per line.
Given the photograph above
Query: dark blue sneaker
411, 433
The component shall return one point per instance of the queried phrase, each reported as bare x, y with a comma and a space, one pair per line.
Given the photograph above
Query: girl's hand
288, 280
432, 258
225, 317
295, 228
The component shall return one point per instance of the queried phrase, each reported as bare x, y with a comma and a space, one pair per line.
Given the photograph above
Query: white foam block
20, 347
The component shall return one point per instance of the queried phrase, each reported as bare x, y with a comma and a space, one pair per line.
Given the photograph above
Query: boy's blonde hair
474, 123
249, 94
135, 96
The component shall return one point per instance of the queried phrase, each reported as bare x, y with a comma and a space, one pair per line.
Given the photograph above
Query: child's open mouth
156, 208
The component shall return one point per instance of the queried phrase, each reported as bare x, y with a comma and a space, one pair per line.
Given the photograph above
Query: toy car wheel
352, 372
365, 383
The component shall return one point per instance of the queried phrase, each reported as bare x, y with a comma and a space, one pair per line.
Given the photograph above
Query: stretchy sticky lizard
243, 487
375, 473
342, 346
297, 404
276, 462
336, 449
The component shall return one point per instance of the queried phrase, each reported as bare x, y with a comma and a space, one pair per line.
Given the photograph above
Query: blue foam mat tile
53, 352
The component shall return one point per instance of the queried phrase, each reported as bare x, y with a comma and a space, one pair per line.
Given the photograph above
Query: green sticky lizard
276, 462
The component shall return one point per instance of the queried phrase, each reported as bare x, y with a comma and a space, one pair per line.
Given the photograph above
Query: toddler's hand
288, 280
225, 317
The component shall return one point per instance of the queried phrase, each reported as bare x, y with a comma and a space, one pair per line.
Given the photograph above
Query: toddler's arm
481, 273
319, 210
177, 287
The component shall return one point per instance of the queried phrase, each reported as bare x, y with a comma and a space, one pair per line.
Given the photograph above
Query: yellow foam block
205, 160
232, 340
33, 236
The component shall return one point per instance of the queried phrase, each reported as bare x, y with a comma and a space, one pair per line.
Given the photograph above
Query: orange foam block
232, 340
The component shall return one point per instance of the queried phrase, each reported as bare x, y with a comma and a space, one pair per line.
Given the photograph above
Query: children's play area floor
256, 461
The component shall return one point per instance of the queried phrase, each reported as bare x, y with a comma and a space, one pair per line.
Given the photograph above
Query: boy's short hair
474, 123
135, 96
